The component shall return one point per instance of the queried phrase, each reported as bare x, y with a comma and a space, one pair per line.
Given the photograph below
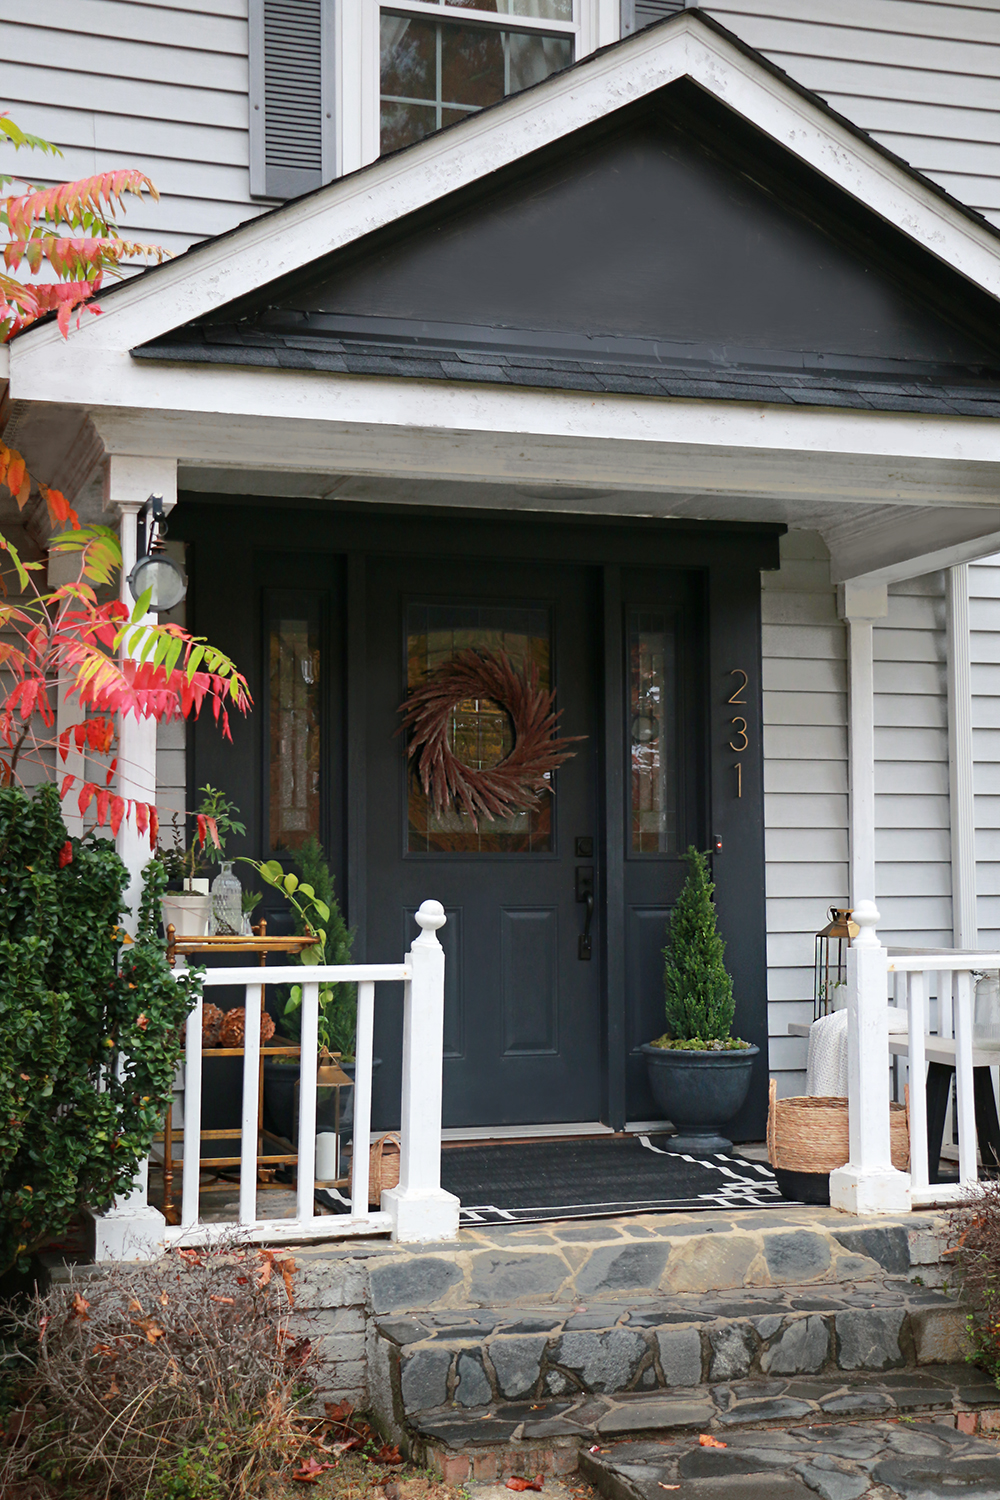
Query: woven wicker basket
383, 1167
810, 1134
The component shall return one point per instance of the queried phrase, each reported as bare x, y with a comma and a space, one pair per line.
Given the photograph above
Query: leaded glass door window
481, 733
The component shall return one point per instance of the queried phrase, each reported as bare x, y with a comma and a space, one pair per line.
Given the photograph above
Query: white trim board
269, 246
455, 1133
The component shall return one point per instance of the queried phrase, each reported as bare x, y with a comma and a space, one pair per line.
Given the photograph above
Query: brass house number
740, 740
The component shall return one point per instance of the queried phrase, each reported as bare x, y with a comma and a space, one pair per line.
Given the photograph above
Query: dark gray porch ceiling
673, 250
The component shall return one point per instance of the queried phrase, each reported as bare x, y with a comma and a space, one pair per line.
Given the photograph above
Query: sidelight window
294, 721
652, 732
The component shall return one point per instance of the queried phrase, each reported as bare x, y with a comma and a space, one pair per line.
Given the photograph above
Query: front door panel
523, 1010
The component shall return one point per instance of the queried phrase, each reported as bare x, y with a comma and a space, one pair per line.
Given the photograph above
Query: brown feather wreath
495, 791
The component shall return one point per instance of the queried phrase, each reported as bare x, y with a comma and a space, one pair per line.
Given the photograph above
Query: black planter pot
699, 1092
281, 1100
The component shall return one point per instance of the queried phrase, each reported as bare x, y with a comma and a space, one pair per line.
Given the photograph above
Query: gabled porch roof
894, 460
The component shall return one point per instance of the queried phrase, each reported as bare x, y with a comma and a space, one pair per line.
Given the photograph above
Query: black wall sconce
153, 570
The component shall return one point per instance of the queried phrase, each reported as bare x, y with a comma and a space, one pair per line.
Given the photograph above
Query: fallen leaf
150, 1328
164, 1298
335, 1449
112, 1390
515, 1482
389, 1455
310, 1471
106, 1351
78, 1308
667, 1486
707, 1441
191, 1256
228, 1300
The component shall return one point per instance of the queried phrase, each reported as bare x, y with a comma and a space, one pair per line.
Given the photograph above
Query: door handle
585, 895
585, 948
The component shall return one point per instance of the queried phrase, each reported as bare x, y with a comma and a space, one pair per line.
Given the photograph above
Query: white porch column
131, 1229
420, 1208
130, 483
869, 1184
965, 923
860, 605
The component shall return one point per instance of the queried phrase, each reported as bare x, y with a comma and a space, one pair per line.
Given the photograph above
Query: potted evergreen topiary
699, 1073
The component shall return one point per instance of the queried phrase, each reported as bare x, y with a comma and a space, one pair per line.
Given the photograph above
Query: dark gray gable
673, 249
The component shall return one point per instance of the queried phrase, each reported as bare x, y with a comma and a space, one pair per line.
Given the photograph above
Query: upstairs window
441, 61
336, 83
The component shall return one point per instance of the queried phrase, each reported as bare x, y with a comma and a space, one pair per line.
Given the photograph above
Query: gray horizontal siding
805, 780
162, 88
984, 619
806, 777
912, 807
921, 77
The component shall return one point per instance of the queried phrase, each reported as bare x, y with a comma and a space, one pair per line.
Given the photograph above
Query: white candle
327, 1156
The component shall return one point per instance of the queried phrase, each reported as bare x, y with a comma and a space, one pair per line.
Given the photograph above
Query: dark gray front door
523, 1009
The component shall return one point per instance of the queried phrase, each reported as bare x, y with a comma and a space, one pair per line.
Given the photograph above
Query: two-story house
664, 357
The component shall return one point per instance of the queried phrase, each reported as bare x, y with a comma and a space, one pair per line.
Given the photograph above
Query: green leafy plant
215, 818
698, 991
313, 900
89, 1029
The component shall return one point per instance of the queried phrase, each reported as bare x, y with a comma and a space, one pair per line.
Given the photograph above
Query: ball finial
429, 917
867, 916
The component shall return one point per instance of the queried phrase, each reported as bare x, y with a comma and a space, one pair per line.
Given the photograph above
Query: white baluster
309, 1041
251, 1086
868, 1184
420, 1208
191, 1171
916, 1005
360, 1151
968, 1171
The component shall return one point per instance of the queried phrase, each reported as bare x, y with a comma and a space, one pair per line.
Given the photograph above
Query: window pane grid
435, 72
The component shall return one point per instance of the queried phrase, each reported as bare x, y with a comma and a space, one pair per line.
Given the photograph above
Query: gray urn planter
699, 1092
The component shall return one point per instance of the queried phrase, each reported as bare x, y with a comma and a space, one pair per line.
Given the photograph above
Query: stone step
477, 1357
556, 1436
616, 1260
917, 1460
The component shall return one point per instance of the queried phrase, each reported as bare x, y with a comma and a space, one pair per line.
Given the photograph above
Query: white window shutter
639, 13
291, 87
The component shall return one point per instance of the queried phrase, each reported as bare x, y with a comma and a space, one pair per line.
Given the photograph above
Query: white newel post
420, 1209
869, 1184
131, 1229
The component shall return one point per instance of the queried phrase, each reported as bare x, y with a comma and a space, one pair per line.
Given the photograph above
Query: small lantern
830, 979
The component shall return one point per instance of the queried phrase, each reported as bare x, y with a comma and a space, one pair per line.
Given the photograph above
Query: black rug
534, 1181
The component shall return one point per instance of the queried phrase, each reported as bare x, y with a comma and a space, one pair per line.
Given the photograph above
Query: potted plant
699, 1073
190, 910
317, 913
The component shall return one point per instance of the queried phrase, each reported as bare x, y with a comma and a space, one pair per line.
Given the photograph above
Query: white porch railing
869, 1184
416, 1210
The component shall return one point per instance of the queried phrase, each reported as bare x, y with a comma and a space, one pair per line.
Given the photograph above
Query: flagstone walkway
914, 1461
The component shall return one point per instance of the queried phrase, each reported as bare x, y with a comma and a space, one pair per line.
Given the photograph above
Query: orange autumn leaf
515, 1482
78, 1308
707, 1441
309, 1471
